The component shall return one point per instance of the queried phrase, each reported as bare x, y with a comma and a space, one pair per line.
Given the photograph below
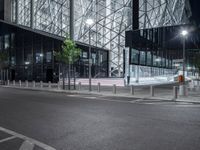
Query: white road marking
34, 142
90, 97
27, 146
7, 139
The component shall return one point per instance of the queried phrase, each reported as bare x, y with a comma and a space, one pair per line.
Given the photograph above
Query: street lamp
90, 22
184, 34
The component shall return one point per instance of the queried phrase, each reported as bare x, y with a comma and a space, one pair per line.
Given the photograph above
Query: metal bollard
152, 91
175, 92
58, 85
26, 83
33, 84
13, 82
99, 87
41, 84
132, 90
49, 84
79, 86
8, 82
20, 83
114, 89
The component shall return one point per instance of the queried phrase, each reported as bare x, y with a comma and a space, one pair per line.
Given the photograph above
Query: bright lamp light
184, 32
89, 22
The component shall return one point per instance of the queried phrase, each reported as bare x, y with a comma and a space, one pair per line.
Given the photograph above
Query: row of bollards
33, 84
176, 91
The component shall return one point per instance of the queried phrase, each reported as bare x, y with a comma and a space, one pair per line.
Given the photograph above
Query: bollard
79, 86
58, 85
175, 92
20, 83
41, 84
49, 84
114, 89
26, 83
183, 90
8, 82
33, 84
152, 91
13, 82
132, 89
99, 87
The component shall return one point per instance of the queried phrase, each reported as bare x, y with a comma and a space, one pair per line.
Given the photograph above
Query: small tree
68, 56
3, 60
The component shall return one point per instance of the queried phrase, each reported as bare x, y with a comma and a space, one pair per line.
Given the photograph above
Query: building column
108, 35
135, 14
72, 19
32, 14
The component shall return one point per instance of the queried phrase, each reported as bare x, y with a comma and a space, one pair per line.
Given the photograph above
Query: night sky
195, 5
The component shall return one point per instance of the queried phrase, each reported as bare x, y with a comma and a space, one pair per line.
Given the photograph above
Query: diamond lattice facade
112, 18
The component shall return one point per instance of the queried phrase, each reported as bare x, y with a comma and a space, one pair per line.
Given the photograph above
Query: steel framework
112, 18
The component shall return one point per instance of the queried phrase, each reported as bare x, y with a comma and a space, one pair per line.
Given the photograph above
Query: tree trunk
69, 76
74, 70
63, 76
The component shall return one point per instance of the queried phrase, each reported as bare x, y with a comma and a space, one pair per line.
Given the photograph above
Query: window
85, 55
93, 58
142, 58
7, 42
149, 59
134, 56
48, 57
38, 58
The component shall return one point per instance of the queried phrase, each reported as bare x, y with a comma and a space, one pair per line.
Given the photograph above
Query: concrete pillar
26, 83
79, 86
175, 92
183, 90
132, 90
49, 84
41, 84
13, 82
33, 84
114, 89
58, 85
152, 91
20, 83
99, 87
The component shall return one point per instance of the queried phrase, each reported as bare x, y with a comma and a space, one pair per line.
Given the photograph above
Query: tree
3, 60
68, 56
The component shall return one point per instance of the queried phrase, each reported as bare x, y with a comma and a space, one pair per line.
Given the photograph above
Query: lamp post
90, 22
184, 34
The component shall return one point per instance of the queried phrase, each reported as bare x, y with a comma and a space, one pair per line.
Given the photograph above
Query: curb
100, 94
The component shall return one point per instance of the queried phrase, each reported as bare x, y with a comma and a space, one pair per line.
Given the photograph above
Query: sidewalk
161, 92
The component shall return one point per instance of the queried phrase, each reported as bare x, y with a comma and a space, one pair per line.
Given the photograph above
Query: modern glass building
51, 18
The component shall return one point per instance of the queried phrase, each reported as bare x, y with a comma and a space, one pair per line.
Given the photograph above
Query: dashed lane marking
28, 143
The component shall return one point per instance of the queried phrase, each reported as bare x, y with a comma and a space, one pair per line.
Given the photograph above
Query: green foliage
3, 59
3, 56
69, 54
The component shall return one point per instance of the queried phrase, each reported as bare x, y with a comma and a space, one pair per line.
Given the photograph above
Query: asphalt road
83, 122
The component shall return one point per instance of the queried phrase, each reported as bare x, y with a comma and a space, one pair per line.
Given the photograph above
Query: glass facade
31, 55
160, 49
